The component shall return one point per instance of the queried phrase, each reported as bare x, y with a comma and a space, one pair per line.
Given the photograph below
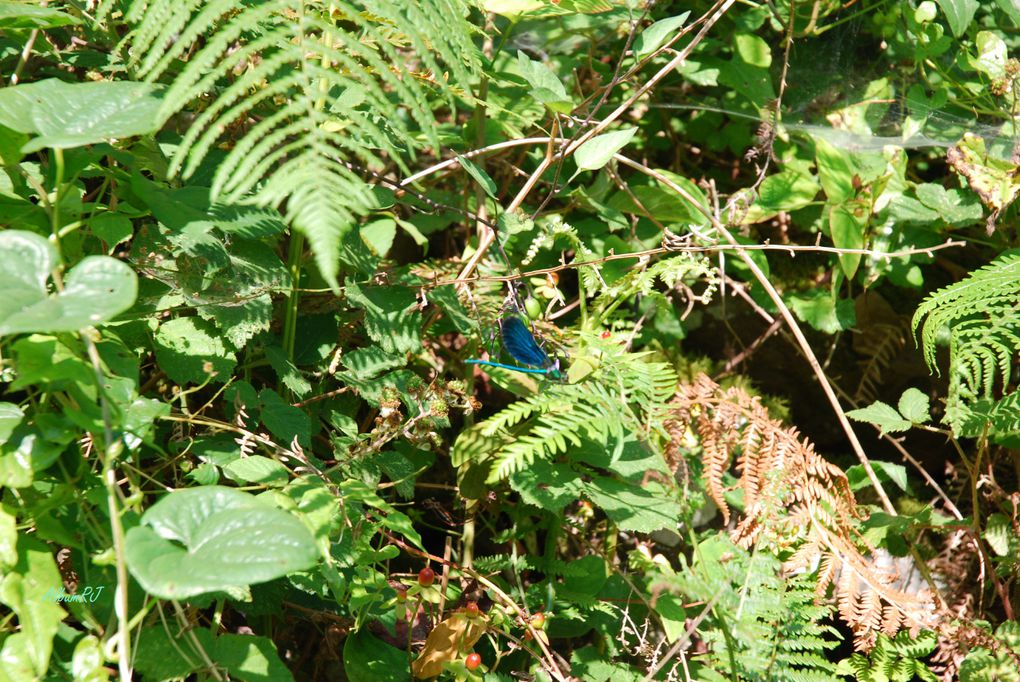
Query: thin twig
490, 236
791, 322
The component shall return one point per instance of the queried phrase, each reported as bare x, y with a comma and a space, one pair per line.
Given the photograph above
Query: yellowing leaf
448, 641
994, 180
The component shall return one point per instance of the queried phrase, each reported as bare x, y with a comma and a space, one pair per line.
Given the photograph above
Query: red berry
472, 661
426, 577
606, 334
471, 608
538, 620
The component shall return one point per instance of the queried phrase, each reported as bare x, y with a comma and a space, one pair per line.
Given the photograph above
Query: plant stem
297, 247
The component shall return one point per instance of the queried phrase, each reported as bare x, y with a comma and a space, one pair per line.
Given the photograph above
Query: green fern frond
298, 87
982, 316
628, 394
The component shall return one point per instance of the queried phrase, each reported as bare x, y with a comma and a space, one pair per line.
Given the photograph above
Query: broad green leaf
18, 15
644, 509
112, 228
546, 87
190, 351
1011, 8
786, 191
959, 14
511, 8
548, 485
250, 659
87, 662
954, 206
665, 204
897, 473
914, 406
23, 589
8, 540
95, 290
283, 420
673, 616
160, 655
884, 416
369, 659
479, 175
992, 54
163, 656
817, 308
379, 234
257, 469
599, 150
212, 539
65, 115
904, 209
658, 34
753, 50
10, 416
847, 230
835, 171
25, 454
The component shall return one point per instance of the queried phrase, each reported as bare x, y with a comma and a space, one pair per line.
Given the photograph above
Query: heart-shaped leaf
215, 538
95, 290
64, 115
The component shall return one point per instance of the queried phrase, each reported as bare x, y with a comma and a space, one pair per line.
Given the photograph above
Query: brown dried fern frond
795, 500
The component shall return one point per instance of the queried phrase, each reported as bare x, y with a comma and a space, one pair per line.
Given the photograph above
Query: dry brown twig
795, 500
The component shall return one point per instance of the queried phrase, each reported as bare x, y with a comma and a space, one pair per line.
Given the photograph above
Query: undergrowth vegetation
264, 416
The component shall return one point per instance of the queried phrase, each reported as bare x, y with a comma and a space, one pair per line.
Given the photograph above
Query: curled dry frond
795, 500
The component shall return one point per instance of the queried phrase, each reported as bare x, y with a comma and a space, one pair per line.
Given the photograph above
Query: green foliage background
244, 258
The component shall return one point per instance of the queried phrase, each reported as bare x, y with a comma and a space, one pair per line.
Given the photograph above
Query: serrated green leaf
786, 191
546, 86
643, 509
914, 406
884, 416
391, 316
283, 420
190, 351
290, 375
957, 207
